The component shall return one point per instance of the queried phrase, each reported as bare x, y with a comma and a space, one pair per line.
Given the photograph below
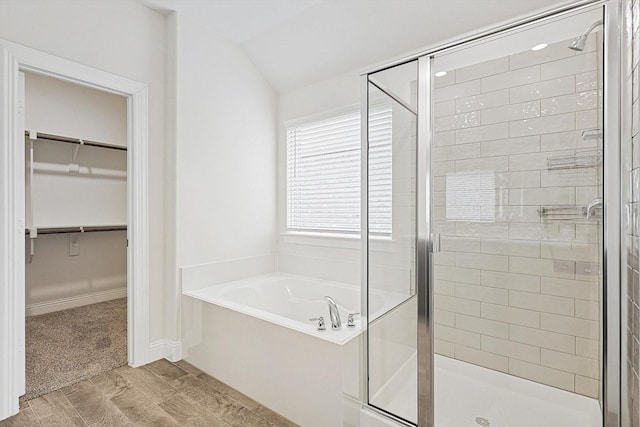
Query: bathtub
290, 301
255, 335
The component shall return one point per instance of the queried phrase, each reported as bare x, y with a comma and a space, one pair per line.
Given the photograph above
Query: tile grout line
176, 391
33, 412
107, 398
184, 395
195, 403
90, 381
72, 407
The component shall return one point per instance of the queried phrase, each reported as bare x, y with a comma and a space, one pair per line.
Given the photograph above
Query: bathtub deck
285, 308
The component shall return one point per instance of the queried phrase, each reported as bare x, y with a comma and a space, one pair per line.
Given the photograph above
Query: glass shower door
517, 163
494, 150
391, 237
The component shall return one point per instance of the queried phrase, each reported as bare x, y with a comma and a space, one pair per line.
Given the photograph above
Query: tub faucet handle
351, 321
320, 320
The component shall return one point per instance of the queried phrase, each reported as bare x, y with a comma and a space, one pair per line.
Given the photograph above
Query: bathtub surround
200, 276
296, 374
290, 300
518, 292
287, 361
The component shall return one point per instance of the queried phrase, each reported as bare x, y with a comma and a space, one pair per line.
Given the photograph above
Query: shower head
580, 41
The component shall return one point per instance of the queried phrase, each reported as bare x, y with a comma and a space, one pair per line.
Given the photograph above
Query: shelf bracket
33, 235
74, 166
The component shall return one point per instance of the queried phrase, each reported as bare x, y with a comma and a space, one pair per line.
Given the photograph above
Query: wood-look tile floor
158, 394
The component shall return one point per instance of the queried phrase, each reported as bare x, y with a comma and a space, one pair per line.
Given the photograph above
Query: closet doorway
15, 59
75, 234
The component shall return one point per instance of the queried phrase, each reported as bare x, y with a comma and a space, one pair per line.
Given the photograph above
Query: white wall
96, 195
123, 38
220, 155
96, 192
55, 280
226, 151
332, 258
61, 108
339, 258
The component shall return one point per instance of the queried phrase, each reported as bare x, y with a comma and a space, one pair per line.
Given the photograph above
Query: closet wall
60, 275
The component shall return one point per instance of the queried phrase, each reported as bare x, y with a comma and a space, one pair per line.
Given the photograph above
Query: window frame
320, 232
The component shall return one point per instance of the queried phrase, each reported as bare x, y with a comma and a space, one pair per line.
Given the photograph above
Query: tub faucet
336, 323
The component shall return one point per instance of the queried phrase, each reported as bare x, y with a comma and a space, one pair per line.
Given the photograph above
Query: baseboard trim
74, 301
165, 349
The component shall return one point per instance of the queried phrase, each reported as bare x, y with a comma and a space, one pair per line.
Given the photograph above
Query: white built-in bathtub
290, 301
255, 335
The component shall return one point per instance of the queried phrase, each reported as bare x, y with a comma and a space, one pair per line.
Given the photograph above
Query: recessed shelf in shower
563, 212
579, 159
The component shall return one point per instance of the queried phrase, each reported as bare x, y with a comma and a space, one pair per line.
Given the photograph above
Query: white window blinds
323, 174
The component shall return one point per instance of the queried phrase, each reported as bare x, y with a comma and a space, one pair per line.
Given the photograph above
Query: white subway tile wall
516, 292
631, 162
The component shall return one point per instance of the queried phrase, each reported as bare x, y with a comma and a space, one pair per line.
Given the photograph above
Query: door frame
14, 59
611, 323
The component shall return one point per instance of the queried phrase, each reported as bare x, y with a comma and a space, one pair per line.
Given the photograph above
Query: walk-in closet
75, 232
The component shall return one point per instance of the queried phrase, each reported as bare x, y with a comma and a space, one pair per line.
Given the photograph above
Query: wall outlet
74, 244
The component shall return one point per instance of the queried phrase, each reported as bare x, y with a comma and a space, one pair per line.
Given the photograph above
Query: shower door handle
435, 243
595, 204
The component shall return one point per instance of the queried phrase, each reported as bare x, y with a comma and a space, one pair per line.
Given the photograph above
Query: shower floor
464, 392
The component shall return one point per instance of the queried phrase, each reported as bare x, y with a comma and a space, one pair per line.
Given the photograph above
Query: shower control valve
320, 320
351, 321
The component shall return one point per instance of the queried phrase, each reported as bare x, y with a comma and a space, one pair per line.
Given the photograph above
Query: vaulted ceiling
298, 42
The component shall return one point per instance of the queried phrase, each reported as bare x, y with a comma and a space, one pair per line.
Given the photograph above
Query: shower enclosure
492, 213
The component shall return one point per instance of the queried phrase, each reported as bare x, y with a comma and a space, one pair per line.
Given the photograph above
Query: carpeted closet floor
69, 346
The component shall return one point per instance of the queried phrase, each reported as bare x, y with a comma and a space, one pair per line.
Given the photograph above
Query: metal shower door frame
612, 219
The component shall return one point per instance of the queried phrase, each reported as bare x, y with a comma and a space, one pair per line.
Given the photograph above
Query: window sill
335, 240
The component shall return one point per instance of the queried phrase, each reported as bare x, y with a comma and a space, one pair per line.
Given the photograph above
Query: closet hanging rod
58, 138
92, 229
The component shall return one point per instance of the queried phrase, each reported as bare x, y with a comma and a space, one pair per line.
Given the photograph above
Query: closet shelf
80, 229
68, 140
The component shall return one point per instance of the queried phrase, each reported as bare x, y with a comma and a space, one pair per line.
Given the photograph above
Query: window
471, 196
323, 174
